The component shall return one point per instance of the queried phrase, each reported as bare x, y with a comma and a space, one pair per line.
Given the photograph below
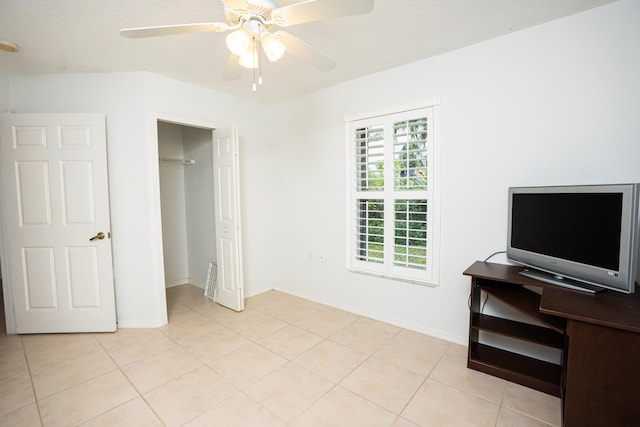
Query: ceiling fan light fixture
273, 48
248, 24
239, 42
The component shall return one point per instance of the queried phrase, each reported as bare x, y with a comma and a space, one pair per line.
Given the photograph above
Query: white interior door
56, 228
227, 201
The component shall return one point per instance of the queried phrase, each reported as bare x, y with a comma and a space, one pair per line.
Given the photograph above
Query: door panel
83, 277
55, 198
228, 237
77, 193
228, 267
29, 136
34, 197
39, 278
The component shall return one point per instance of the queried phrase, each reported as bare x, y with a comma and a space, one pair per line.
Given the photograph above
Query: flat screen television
581, 237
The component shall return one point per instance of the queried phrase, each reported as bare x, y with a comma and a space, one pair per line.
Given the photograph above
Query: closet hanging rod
186, 162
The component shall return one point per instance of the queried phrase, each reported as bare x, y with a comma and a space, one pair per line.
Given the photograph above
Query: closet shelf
185, 162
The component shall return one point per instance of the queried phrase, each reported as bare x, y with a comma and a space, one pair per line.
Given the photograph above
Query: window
392, 208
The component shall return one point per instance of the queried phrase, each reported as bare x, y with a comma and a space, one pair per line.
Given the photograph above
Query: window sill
425, 283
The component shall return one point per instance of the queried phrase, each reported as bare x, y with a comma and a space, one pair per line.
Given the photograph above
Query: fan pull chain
253, 53
259, 53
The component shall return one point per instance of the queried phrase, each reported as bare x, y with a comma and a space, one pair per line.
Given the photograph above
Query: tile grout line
140, 395
33, 388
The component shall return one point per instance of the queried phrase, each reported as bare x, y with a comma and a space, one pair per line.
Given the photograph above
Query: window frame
387, 269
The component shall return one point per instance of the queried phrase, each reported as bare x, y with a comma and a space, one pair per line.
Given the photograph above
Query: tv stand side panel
602, 376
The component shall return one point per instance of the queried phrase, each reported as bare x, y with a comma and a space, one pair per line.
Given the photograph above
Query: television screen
580, 227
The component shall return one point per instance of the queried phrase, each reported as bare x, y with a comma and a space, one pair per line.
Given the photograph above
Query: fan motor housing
258, 9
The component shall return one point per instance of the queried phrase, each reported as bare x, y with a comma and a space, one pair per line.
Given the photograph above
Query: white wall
173, 207
5, 93
555, 104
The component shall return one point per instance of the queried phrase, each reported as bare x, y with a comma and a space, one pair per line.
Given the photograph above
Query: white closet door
228, 236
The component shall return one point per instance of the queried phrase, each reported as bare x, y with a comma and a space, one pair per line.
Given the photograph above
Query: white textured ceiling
82, 36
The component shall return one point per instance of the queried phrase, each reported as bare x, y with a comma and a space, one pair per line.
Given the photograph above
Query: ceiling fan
250, 24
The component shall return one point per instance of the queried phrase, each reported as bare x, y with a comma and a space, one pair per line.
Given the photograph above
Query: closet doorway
187, 203
199, 204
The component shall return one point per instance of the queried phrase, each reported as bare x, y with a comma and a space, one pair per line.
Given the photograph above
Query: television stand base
564, 282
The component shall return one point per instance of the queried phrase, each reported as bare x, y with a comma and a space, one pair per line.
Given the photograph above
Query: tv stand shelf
525, 301
518, 330
507, 285
528, 371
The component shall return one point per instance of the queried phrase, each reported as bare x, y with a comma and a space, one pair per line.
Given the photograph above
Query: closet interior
187, 202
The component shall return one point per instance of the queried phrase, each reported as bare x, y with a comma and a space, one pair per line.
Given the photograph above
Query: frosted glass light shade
239, 42
249, 59
273, 48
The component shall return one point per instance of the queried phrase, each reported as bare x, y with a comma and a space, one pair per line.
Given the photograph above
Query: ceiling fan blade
318, 10
167, 30
236, 4
233, 71
306, 52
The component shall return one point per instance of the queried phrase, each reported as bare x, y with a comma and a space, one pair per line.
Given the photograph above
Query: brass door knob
98, 236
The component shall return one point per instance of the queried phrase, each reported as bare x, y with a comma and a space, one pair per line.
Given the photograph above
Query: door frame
155, 214
7, 291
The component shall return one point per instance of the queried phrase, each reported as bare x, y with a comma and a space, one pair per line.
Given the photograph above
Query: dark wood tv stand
599, 335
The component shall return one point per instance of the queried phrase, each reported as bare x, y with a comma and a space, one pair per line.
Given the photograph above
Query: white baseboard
436, 333
140, 324
195, 282
176, 283
187, 281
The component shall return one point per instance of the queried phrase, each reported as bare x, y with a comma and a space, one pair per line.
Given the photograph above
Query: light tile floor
283, 361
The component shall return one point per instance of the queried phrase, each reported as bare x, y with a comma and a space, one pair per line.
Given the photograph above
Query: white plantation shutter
392, 211
369, 235
369, 146
410, 234
410, 154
